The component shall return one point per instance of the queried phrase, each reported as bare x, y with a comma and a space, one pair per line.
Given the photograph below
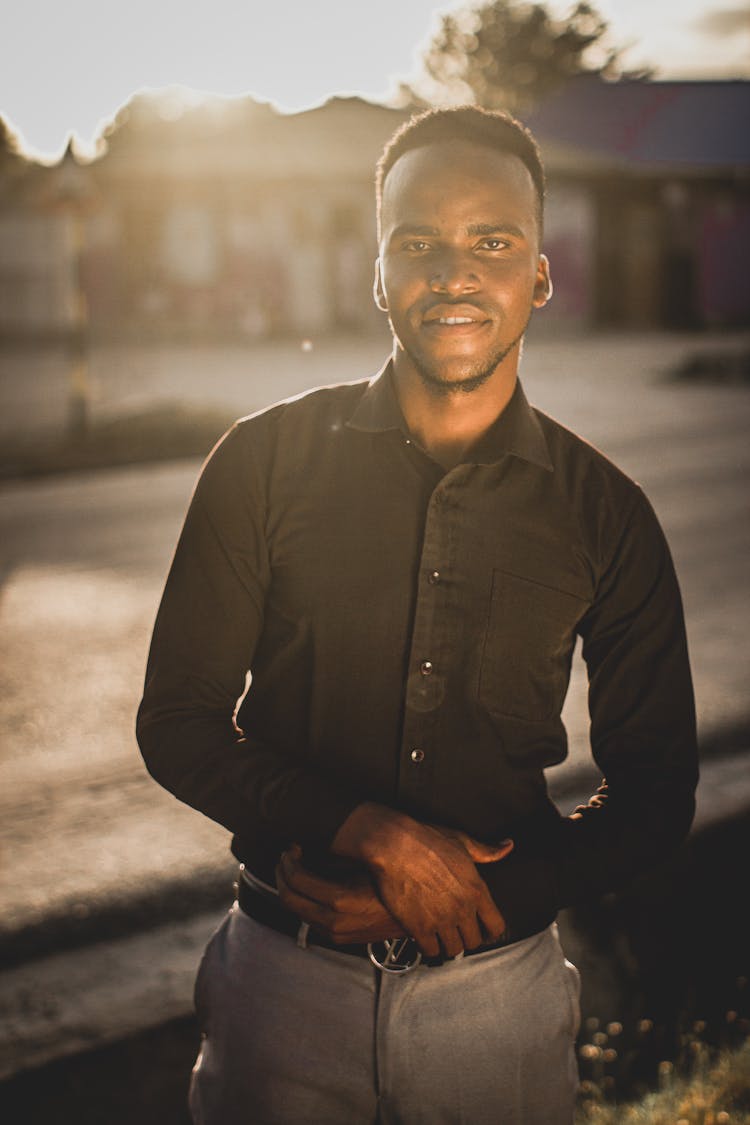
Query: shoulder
321, 405
296, 422
584, 471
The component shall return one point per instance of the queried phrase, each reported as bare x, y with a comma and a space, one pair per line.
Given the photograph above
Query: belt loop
302, 933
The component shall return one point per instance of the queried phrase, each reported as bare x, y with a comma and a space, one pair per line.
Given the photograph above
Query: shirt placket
431, 647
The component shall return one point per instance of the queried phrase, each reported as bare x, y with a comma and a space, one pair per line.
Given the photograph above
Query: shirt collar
378, 409
516, 432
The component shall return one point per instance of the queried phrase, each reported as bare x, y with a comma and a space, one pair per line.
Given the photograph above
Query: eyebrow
495, 228
413, 228
475, 230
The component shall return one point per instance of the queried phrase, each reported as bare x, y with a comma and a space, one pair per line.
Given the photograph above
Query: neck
448, 423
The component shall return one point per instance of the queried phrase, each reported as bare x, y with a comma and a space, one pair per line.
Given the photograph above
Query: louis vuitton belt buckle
399, 955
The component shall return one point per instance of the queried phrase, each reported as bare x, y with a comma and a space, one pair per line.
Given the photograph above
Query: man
403, 565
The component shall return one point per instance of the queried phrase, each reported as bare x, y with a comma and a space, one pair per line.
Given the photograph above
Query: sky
65, 68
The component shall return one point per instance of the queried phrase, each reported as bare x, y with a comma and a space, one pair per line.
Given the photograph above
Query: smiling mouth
470, 318
455, 323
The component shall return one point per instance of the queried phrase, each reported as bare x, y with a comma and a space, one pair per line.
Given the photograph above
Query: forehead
452, 178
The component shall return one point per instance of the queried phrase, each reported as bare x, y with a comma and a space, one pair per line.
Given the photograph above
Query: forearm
251, 788
599, 848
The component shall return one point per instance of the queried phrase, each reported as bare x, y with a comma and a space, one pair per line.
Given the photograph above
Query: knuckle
429, 944
337, 926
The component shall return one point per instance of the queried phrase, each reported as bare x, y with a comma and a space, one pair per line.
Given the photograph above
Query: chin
459, 373
463, 382
455, 374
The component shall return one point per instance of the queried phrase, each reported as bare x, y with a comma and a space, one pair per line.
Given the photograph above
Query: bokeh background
186, 235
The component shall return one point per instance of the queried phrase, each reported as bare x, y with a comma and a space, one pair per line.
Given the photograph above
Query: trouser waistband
261, 903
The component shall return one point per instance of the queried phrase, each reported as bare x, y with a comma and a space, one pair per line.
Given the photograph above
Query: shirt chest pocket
528, 645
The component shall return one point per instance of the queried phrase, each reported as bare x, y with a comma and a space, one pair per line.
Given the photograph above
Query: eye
416, 246
493, 244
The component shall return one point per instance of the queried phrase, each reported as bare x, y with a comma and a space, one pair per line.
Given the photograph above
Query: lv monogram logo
399, 955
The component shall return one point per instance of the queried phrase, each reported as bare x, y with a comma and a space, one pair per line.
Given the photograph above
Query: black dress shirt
407, 633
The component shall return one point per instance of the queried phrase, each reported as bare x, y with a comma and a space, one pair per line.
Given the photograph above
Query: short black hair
490, 128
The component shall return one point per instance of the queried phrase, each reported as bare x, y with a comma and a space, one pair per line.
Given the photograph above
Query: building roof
700, 125
240, 137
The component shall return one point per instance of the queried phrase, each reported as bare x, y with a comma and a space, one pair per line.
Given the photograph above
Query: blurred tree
10, 147
14, 166
509, 55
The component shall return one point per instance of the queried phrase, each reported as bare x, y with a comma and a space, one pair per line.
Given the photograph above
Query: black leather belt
264, 907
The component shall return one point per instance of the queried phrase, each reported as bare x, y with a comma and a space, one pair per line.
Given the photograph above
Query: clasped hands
416, 879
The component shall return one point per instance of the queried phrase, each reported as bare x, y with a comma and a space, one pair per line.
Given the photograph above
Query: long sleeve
207, 629
642, 738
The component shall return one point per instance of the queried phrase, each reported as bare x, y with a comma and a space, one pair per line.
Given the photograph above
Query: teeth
455, 320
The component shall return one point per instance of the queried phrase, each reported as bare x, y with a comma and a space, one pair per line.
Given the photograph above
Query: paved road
84, 559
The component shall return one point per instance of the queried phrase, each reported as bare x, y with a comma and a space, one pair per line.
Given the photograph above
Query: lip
454, 319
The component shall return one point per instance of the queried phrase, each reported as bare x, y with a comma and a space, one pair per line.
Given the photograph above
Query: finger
366, 921
363, 935
452, 942
300, 903
345, 929
327, 888
314, 913
359, 928
310, 912
485, 853
471, 933
491, 919
428, 943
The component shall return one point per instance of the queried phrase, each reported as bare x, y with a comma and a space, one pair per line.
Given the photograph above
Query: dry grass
713, 1089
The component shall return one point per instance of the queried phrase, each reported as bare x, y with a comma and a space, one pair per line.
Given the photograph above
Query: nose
454, 272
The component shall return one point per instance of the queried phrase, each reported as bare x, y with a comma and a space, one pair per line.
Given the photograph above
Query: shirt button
426, 667
417, 756
433, 577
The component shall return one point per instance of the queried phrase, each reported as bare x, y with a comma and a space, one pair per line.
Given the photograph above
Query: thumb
486, 853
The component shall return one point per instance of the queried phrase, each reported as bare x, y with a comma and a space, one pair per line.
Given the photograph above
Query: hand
345, 912
426, 876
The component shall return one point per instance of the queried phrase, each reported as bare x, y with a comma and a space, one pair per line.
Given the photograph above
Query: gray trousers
307, 1036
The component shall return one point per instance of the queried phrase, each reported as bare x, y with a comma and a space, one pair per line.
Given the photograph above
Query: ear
542, 284
378, 293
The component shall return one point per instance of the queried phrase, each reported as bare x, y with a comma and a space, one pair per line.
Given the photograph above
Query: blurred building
228, 218
234, 217
650, 201
37, 247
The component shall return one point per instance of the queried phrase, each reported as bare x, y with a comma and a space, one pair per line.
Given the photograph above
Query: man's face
459, 267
